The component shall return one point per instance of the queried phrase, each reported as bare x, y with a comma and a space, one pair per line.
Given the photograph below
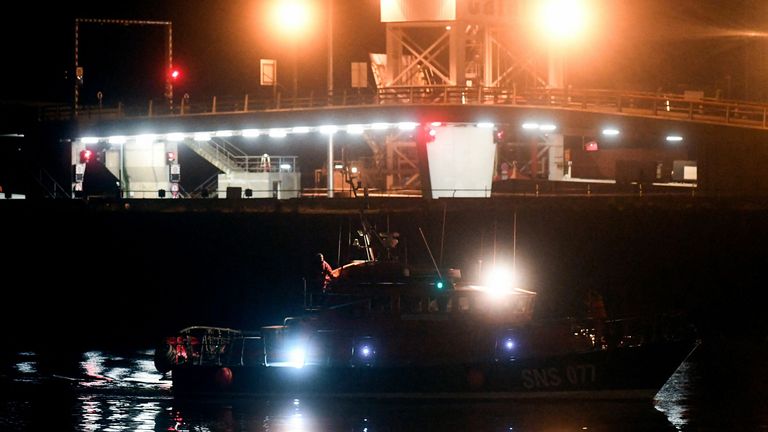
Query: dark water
714, 390
94, 281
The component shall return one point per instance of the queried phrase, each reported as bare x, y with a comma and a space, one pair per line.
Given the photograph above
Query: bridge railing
673, 106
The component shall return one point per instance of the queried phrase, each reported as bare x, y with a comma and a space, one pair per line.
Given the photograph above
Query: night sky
639, 45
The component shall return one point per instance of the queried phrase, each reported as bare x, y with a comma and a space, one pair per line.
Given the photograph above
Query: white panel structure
555, 157
145, 169
474, 11
500, 12
280, 185
417, 10
461, 162
468, 43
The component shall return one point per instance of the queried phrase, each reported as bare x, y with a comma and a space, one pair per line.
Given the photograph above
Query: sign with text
268, 72
359, 74
474, 11
488, 11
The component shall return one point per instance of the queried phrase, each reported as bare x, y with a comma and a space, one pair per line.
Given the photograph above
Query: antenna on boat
514, 243
437, 269
495, 223
482, 251
338, 249
442, 235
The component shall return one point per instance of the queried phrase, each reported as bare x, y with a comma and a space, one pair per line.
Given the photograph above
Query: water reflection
101, 391
113, 414
369, 416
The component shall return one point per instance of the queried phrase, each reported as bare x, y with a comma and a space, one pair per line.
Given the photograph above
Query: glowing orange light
563, 20
292, 15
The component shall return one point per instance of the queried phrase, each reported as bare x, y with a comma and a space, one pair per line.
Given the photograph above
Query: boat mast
437, 269
514, 244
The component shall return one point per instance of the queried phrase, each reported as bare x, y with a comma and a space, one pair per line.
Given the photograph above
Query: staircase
221, 153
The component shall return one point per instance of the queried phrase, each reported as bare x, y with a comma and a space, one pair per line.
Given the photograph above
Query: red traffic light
591, 146
85, 156
171, 156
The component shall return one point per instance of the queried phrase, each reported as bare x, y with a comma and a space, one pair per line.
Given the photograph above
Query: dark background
111, 274
102, 275
640, 45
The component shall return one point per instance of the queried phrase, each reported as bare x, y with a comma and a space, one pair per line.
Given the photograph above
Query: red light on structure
591, 146
171, 156
85, 156
432, 134
175, 74
499, 136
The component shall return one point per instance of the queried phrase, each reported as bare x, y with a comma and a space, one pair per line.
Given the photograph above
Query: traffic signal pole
79, 69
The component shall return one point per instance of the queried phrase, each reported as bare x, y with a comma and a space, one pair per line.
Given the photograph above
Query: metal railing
660, 105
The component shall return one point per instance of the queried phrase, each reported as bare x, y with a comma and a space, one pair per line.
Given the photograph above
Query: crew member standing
324, 273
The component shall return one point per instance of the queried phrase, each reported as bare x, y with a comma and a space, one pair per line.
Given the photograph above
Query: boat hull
621, 373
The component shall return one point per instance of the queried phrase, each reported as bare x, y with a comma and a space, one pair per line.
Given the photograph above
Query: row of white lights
615, 132
609, 132
353, 129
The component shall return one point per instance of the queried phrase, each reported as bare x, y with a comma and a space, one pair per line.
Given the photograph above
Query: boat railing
627, 332
209, 345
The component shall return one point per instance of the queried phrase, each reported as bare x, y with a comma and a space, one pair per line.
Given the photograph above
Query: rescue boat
382, 330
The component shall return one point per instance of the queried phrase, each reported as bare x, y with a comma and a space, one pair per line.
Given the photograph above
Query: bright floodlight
355, 129
89, 140
202, 136
562, 20
530, 126
674, 138
292, 15
175, 137
500, 281
117, 139
547, 127
296, 357
610, 132
328, 129
145, 139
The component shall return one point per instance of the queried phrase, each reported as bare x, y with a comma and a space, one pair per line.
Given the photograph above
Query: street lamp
561, 22
292, 17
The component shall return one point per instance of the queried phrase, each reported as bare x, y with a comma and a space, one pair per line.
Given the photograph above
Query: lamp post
561, 22
121, 22
292, 17
330, 48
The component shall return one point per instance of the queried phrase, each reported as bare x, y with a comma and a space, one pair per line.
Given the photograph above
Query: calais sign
474, 11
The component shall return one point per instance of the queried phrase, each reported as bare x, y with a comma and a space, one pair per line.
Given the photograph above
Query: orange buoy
475, 379
224, 377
